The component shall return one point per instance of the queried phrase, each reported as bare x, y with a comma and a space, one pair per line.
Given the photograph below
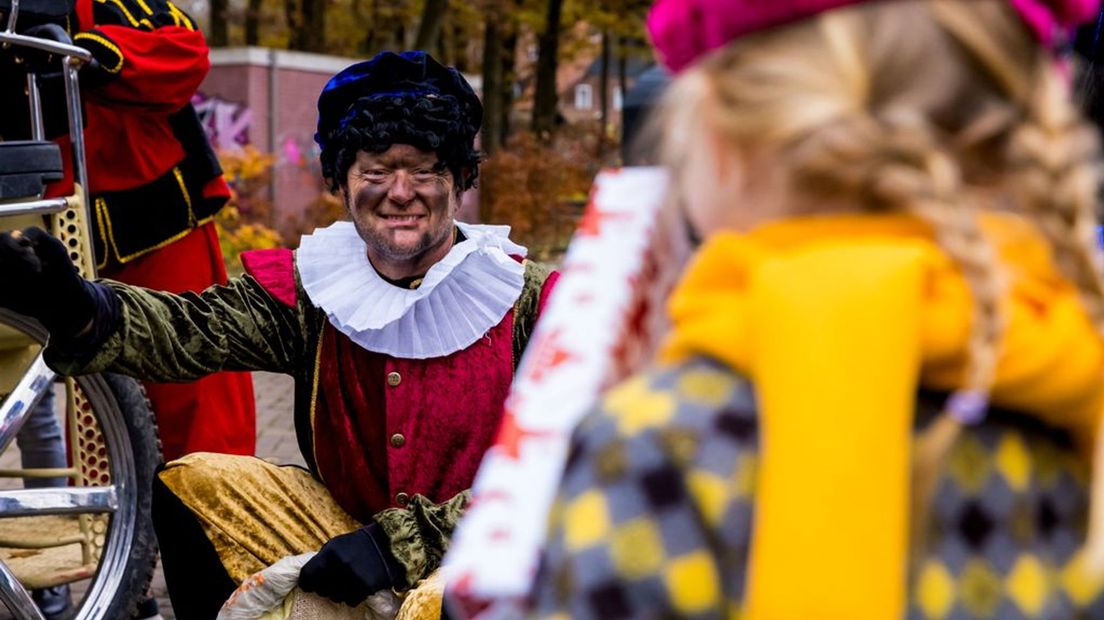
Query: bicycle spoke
16, 597
14, 410
57, 501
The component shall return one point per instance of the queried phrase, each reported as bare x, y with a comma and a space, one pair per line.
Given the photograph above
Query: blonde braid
1055, 161
1055, 156
1053, 171
1052, 165
843, 142
821, 102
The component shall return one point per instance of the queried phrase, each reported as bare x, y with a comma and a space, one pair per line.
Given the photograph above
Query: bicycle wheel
95, 534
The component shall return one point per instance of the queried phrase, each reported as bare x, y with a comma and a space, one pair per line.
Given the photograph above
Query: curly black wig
425, 120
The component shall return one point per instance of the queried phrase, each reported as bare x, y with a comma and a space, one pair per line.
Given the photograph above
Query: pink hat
683, 30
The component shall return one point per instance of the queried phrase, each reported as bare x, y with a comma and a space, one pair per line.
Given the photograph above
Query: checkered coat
656, 511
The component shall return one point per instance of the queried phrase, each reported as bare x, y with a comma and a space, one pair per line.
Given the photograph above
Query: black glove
105, 64
352, 567
107, 59
40, 281
39, 61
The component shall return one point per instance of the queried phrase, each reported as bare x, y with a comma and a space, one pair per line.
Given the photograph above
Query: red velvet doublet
388, 428
383, 429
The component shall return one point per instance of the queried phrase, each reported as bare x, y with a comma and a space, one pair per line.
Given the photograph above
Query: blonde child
883, 384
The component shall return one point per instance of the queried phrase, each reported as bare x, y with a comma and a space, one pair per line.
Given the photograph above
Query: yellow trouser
255, 513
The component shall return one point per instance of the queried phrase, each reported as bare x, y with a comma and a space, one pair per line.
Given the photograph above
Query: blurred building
580, 93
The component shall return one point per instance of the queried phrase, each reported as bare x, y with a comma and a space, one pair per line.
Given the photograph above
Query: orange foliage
539, 189
246, 221
322, 211
249, 170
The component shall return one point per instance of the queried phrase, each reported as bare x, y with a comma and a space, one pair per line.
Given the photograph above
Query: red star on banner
576, 267
548, 356
511, 434
496, 495
460, 595
463, 584
593, 219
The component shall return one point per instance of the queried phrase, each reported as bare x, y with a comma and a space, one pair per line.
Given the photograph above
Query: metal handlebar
61, 45
13, 17
54, 40
80, 54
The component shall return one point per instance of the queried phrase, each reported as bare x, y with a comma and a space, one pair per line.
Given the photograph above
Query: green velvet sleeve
420, 533
176, 338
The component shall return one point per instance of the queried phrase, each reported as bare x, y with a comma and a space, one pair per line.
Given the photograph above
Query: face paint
402, 202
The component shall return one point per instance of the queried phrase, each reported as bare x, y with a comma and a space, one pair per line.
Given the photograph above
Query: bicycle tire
123, 412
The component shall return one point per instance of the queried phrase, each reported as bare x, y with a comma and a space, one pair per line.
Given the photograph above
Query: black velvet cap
406, 75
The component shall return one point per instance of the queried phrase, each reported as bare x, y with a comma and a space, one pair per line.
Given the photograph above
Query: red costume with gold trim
154, 187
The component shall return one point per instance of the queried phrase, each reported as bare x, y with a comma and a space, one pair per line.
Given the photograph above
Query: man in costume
402, 329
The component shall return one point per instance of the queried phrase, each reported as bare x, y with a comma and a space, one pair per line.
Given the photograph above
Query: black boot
54, 602
148, 610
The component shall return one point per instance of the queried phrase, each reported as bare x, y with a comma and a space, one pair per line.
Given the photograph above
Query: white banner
601, 323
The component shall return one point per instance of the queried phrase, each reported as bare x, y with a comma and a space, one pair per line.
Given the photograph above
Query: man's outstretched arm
108, 326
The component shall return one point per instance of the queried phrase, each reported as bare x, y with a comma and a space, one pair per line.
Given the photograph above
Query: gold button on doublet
397, 440
393, 379
402, 499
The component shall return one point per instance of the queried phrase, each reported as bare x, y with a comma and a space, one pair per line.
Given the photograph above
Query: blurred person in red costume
155, 186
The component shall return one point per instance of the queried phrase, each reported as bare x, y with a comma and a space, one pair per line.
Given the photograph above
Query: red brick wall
298, 175
243, 76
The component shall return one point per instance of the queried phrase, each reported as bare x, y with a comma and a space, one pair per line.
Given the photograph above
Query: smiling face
402, 202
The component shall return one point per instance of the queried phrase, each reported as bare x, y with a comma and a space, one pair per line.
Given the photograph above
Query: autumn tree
603, 90
492, 79
253, 22
429, 26
219, 35
548, 49
306, 21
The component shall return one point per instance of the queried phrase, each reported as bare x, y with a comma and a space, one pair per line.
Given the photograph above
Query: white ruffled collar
460, 299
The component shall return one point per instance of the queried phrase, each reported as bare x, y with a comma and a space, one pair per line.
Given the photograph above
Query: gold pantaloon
254, 512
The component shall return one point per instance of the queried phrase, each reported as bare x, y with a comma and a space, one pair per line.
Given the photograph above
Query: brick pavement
275, 426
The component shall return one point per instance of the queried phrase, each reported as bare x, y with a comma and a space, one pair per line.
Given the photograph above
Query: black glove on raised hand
106, 62
40, 281
352, 567
107, 59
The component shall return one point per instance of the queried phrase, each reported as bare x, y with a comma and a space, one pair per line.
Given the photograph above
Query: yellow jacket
851, 315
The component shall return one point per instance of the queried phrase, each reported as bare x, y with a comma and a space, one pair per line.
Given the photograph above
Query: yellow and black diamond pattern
654, 514
1006, 529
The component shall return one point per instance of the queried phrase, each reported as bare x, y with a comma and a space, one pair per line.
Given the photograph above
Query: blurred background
552, 75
